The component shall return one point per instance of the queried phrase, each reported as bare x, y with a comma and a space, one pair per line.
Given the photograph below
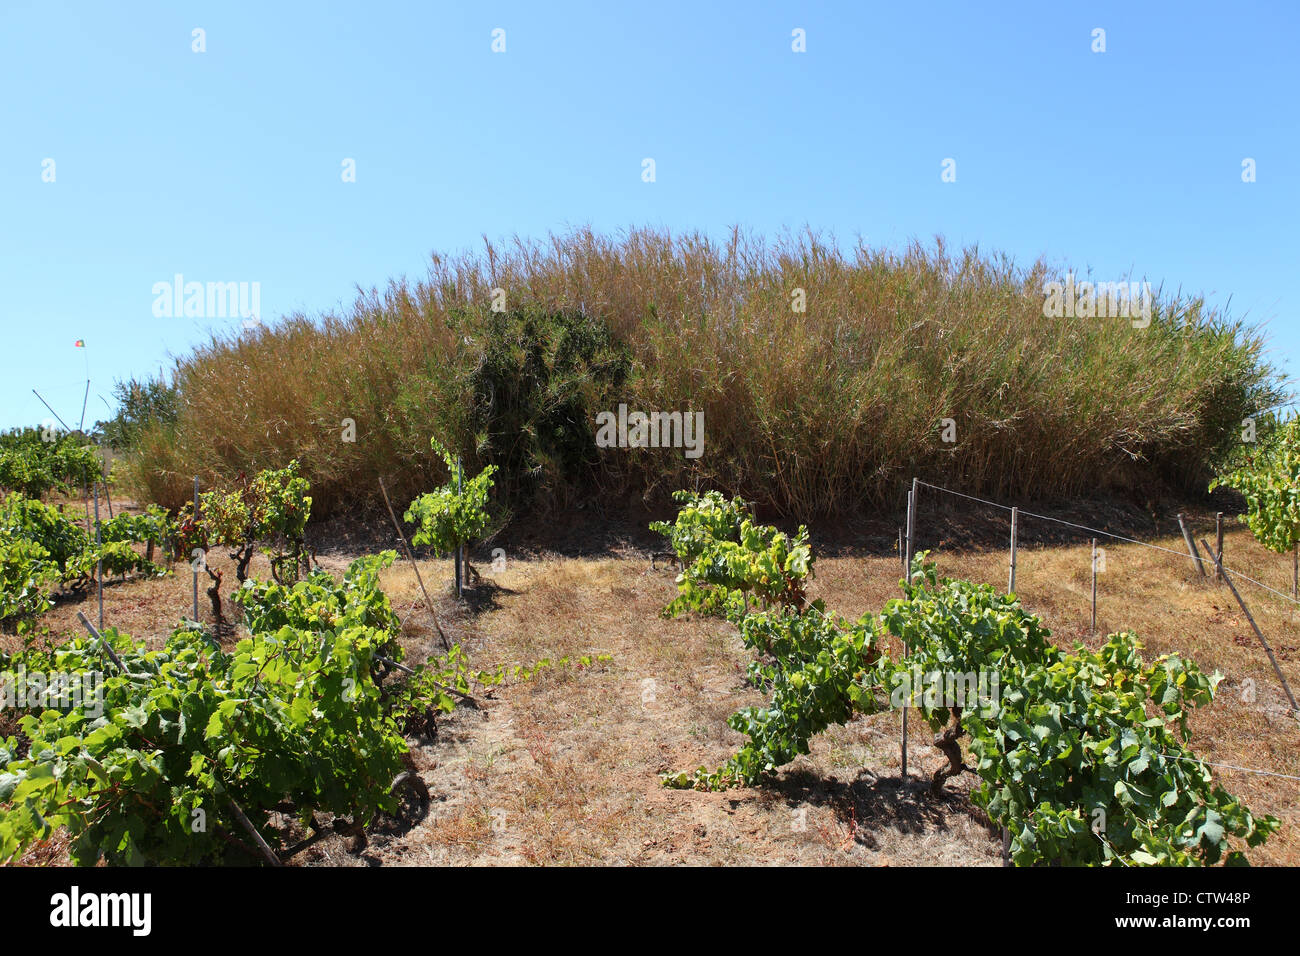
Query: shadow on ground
870, 804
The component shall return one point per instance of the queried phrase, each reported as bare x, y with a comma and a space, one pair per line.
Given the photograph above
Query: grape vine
448, 518
1081, 755
1269, 479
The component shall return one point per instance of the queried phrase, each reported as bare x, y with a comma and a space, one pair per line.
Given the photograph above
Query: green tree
140, 404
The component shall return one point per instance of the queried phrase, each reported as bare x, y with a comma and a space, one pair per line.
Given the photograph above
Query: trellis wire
808, 605
1229, 766
1108, 534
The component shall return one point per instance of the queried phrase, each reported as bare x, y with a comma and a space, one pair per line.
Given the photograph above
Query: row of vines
202, 753
1081, 755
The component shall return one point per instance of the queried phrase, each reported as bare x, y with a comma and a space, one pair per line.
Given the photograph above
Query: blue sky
226, 165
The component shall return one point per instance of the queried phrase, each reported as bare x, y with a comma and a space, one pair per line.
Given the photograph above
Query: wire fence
810, 606
1105, 534
1218, 564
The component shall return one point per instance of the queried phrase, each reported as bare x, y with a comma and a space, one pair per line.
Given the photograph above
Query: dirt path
564, 769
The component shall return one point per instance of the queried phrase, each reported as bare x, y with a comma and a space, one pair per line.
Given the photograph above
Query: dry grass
813, 412
564, 769
573, 759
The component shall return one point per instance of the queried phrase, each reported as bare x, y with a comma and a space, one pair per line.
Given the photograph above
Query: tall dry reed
817, 412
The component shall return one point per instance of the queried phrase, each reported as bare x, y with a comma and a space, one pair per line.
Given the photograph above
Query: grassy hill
809, 413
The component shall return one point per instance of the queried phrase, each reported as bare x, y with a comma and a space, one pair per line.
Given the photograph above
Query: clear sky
226, 165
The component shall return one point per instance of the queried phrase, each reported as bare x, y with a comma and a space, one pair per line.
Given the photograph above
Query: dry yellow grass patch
567, 765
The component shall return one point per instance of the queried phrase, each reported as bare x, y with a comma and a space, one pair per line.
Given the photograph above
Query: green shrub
272, 506
288, 717
539, 380
1082, 756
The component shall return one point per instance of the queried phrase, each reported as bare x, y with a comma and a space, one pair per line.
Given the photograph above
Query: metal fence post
907, 577
459, 546
99, 560
1094, 587
1011, 579
193, 565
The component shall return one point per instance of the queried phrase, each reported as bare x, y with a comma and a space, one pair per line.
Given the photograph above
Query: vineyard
326, 709
301, 726
1081, 759
831, 471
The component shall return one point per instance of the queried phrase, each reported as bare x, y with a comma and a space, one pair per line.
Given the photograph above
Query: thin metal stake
194, 566
99, 560
410, 555
916, 513
103, 642
459, 546
108, 495
1094, 587
907, 577
52, 411
1011, 580
1295, 708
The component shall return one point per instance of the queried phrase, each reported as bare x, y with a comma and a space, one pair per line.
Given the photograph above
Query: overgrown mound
825, 379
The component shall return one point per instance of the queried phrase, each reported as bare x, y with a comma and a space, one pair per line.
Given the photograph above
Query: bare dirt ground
564, 769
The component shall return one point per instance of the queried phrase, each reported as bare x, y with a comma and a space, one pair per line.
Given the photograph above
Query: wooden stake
411, 557
1295, 709
252, 831
1191, 546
